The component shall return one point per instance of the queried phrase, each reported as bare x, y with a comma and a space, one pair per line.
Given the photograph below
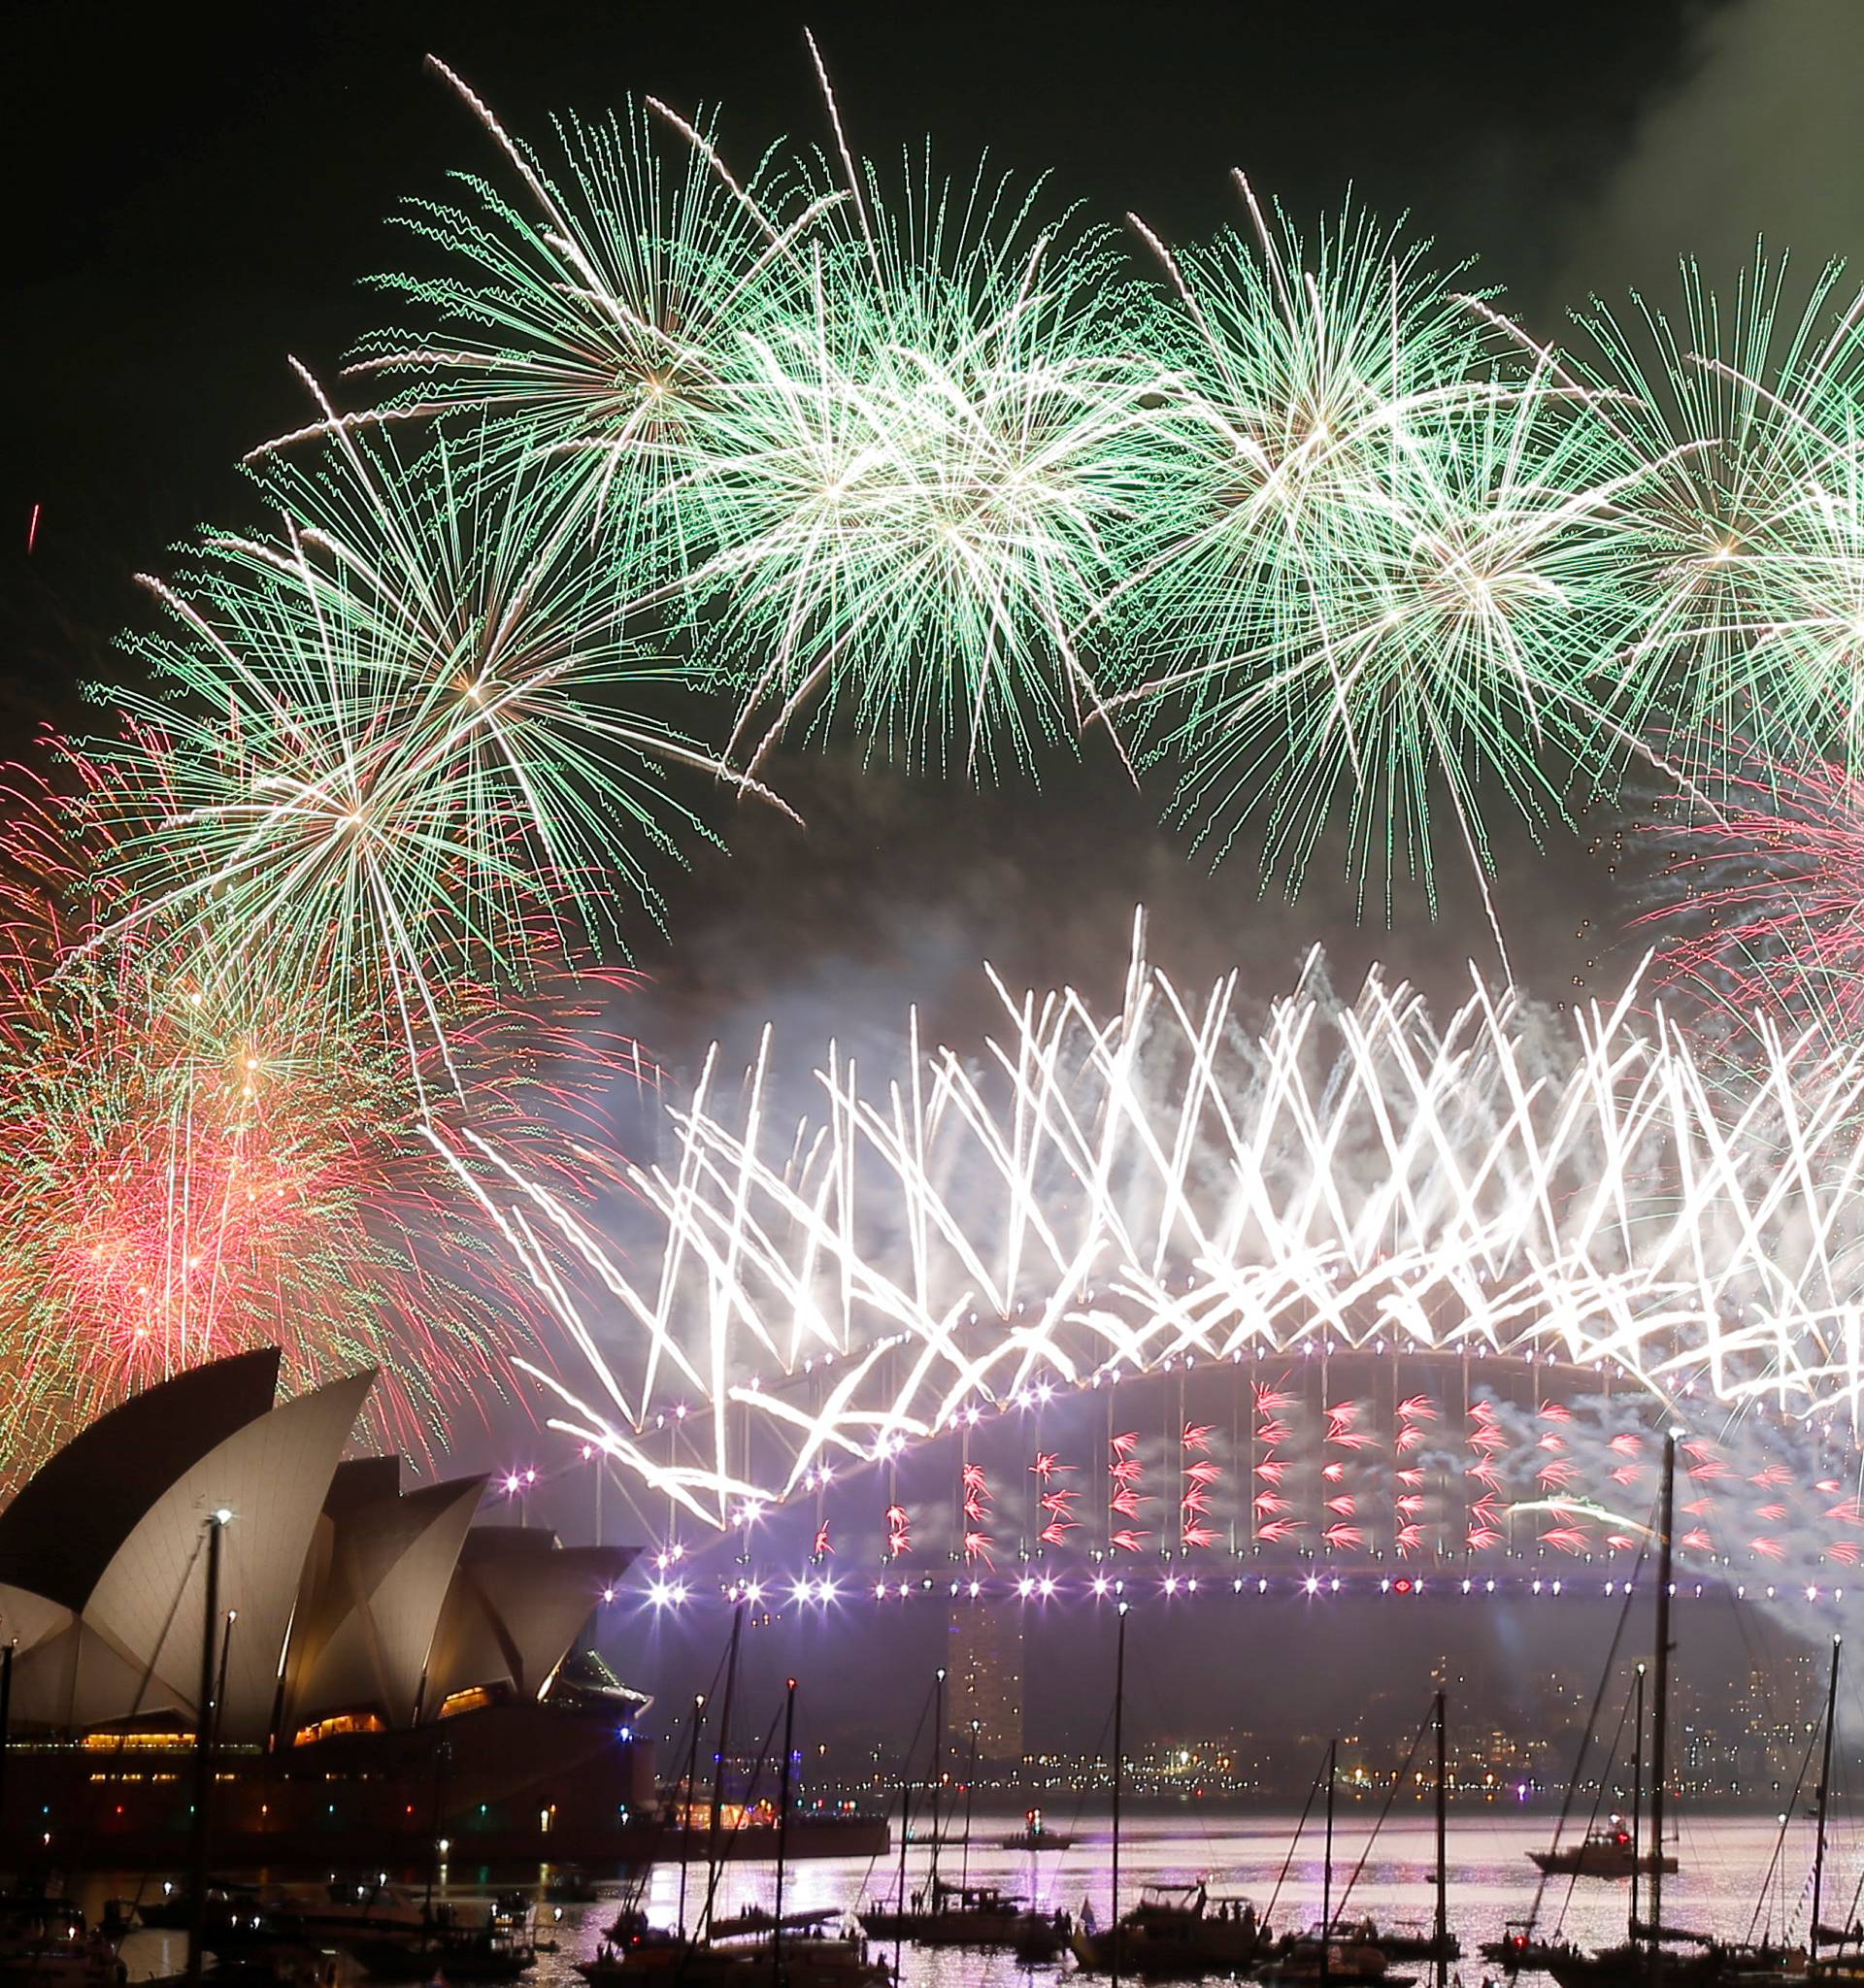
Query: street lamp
213, 1682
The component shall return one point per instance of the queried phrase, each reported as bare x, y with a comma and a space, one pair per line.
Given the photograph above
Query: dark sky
197, 192
194, 192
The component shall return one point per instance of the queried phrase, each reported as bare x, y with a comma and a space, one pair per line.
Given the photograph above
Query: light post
213, 1681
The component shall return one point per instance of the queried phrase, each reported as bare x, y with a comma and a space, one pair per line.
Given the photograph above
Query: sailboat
1654, 1955
1408, 1942
1614, 1850
1331, 1955
1844, 1964
945, 1914
1153, 1941
1172, 1934
753, 1948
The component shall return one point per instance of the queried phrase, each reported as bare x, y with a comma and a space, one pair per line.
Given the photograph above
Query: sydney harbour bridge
1317, 1288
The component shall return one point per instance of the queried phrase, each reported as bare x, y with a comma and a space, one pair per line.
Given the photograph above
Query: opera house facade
388, 1676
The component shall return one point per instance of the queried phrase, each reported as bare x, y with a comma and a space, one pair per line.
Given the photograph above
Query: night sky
197, 193
194, 192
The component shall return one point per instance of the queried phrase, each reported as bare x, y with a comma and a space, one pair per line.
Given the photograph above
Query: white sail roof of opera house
511, 1609
339, 1590
372, 1591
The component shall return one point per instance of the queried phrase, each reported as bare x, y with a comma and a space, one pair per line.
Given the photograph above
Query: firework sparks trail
411, 730
1387, 568
1105, 1193
190, 1168
1761, 900
916, 493
591, 318
1745, 551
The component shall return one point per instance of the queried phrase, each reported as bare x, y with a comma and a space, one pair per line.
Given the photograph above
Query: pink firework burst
1759, 904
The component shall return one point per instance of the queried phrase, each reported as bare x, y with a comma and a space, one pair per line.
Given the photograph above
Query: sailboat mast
938, 1773
686, 1806
713, 1847
1824, 1796
1120, 1766
782, 1829
204, 1738
6, 1715
970, 1796
1637, 1789
1660, 1706
906, 1837
1441, 1931
1326, 1867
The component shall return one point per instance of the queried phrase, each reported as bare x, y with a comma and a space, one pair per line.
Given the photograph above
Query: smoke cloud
1755, 138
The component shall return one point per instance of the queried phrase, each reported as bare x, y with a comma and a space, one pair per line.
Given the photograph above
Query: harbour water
1724, 1886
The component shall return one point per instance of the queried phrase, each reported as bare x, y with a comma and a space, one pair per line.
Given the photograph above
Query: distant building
983, 1681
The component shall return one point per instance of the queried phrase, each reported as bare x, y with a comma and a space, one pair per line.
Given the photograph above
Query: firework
194, 1167
387, 746
1760, 902
919, 488
285, 993
588, 313
1387, 580
1107, 1194
1747, 551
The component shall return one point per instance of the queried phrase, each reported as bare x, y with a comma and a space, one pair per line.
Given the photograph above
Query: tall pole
1824, 1796
970, 1798
1660, 1705
782, 1831
1326, 1867
6, 1717
1441, 1931
905, 1832
226, 1650
204, 1751
1637, 1792
719, 1763
686, 1806
1120, 1771
938, 1772
905, 1825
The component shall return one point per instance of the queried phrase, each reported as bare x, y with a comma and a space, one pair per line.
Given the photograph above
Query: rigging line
1102, 1751
906, 1762
1294, 1841
148, 1671
1592, 1822
743, 1813
1841, 1777
1202, 1812
1779, 1840
1857, 1895
1391, 1795
1592, 1720
697, 1713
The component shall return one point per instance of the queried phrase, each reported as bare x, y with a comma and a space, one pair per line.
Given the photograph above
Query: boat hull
1589, 1862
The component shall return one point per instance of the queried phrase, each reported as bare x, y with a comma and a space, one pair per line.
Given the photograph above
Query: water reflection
1722, 1887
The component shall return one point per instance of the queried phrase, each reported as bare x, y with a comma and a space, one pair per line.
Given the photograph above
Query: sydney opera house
390, 1675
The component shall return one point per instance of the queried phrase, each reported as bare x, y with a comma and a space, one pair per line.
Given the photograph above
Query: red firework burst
1760, 904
